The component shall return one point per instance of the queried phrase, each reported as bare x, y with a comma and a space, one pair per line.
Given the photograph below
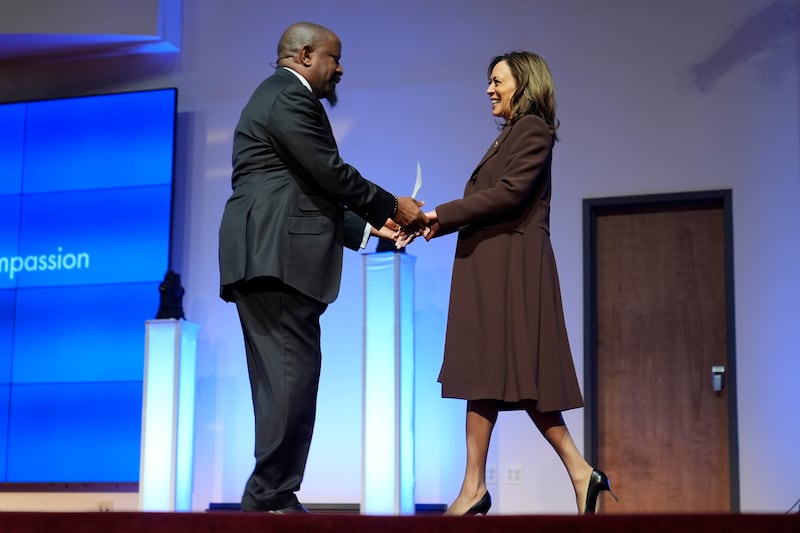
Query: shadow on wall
757, 40
91, 71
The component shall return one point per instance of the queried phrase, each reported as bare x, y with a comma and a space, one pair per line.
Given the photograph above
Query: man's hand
404, 238
409, 215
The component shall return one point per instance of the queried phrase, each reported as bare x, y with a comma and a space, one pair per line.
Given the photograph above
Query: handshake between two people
408, 223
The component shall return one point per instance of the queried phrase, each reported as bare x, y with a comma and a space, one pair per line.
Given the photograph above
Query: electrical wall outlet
491, 474
105, 506
513, 475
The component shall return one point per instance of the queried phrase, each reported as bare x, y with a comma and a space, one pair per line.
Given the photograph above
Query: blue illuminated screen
85, 206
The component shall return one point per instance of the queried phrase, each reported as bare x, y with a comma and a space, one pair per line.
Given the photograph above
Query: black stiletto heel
482, 506
597, 482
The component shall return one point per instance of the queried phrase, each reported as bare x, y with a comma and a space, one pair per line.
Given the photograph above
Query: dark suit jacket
295, 203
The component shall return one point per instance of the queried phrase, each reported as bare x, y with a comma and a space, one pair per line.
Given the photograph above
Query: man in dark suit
295, 204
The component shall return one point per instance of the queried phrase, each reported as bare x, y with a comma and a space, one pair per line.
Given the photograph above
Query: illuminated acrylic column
388, 387
166, 457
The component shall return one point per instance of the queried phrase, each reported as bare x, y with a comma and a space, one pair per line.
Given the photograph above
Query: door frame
594, 207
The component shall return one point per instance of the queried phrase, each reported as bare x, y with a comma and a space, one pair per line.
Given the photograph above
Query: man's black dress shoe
292, 509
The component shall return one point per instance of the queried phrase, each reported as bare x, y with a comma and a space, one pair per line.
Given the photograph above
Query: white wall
654, 97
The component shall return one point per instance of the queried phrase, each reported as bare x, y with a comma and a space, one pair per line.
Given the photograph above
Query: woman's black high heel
482, 506
597, 482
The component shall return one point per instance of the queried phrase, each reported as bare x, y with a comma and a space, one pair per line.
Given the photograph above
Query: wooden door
662, 320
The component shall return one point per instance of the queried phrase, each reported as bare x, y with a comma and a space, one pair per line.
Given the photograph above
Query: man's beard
332, 97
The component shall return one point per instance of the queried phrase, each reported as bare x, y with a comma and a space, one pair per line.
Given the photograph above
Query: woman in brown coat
506, 345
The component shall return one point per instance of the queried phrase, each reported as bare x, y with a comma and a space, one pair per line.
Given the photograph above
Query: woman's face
502, 86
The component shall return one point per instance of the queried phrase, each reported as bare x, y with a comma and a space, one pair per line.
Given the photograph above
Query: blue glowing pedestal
388, 387
165, 468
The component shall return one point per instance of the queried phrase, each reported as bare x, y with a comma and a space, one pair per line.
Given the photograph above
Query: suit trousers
282, 344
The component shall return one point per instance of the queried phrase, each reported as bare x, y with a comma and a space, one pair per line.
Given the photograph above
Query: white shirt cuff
365, 237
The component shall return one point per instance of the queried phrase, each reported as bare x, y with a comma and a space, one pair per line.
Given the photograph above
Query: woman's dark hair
535, 92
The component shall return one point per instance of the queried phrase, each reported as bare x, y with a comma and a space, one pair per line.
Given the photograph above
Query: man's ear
305, 55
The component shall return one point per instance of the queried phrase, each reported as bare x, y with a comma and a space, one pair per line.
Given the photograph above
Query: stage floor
219, 522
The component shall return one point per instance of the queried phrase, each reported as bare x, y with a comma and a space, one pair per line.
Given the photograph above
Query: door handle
717, 377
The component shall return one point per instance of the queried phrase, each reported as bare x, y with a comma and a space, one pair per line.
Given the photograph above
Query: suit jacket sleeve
303, 135
527, 149
354, 227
